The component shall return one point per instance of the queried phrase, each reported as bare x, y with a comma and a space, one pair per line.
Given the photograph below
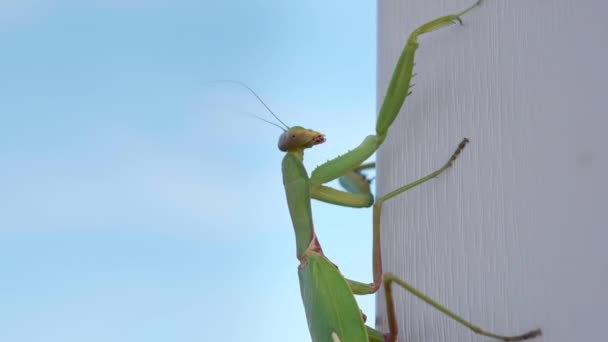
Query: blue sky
137, 203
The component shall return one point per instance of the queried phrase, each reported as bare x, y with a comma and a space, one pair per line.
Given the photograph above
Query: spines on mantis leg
297, 191
400, 84
398, 89
331, 309
346, 162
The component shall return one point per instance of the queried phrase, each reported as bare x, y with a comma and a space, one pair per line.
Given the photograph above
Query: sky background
137, 203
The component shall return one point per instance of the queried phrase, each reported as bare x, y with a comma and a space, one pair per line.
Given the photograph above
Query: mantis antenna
270, 122
259, 99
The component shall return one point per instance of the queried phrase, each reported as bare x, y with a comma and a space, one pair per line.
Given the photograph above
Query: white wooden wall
515, 236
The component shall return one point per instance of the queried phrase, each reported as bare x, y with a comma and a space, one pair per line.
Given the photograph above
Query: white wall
515, 236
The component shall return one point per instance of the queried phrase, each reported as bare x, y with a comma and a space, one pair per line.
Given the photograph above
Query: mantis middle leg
388, 278
361, 288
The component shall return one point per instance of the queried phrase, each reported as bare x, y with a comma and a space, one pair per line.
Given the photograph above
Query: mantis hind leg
390, 278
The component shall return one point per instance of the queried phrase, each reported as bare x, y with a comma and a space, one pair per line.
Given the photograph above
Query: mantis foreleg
398, 90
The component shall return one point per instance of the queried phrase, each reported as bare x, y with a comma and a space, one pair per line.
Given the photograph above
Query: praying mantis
331, 309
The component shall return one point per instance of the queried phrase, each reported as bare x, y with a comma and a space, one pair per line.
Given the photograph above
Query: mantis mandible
331, 309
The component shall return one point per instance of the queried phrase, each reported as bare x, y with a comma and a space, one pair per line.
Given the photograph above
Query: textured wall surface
515, 236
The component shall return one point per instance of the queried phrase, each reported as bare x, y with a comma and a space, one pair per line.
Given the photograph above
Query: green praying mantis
331, 309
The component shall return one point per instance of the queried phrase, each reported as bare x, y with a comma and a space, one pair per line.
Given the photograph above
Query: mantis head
298, 138
293, 139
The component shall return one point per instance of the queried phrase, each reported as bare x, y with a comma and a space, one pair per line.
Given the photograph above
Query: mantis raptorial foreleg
398, 90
